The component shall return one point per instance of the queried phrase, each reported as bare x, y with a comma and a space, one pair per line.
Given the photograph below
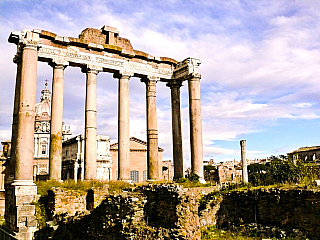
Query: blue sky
260, 68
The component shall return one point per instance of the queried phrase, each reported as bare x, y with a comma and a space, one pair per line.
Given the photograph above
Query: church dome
43, 108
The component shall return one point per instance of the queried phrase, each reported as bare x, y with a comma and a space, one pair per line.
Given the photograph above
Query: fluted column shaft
24, 148
195, 125
176, 129
153, 164
90, 151
123, 128
244, 161
55, 152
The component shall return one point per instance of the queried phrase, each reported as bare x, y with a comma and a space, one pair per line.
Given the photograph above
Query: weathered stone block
31, 221
26, 210
25, 190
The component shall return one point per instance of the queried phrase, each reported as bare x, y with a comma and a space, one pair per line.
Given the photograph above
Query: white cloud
303, 105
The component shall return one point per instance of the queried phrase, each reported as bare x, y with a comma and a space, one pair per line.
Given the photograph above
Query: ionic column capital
92, 69
174, 83
151, 88
123, 74
59, 64
194, 77
30, 44
150, 80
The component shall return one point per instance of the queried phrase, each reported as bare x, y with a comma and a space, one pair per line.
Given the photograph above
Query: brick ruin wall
151, 212
275, 212
170, 212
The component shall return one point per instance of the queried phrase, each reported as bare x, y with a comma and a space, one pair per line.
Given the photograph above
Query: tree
282, 170
209, 168
259, 174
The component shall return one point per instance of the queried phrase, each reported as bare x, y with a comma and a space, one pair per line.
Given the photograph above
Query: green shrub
280, 170
2, 221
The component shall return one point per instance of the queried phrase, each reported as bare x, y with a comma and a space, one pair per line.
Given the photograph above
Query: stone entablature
90, 50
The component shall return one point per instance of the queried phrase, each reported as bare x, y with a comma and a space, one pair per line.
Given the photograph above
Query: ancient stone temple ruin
94, 51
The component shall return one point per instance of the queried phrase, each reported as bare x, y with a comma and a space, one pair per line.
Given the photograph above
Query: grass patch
81, 186
118, 186
192, 183
214, 233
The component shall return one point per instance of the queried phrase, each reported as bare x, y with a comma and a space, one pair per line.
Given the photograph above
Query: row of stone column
24, 114
196, 145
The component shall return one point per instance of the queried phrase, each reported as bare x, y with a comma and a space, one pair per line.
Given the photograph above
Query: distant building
138, 160
307, 154
73, 158
229, 173
210, 171
259, 161
211, 176
4, 154
167, 170
6, 148
224, 172
107, 160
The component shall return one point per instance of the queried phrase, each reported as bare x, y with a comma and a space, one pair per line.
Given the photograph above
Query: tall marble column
9, 176
153, 164
176, 128
20, 195
24, 148
123, 126
195, 125
90, 151
55, 152
244, 161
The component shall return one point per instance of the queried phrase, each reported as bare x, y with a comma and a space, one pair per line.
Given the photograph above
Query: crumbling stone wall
148, 212
171, 212
272, 211
70, 202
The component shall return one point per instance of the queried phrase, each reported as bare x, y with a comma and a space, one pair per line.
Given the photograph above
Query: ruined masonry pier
95, 51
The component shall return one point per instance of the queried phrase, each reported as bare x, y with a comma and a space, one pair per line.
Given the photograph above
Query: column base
20, 213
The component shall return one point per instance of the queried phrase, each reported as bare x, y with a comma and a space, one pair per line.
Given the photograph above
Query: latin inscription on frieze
76, 55
72, 55
109, 61
50, 51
